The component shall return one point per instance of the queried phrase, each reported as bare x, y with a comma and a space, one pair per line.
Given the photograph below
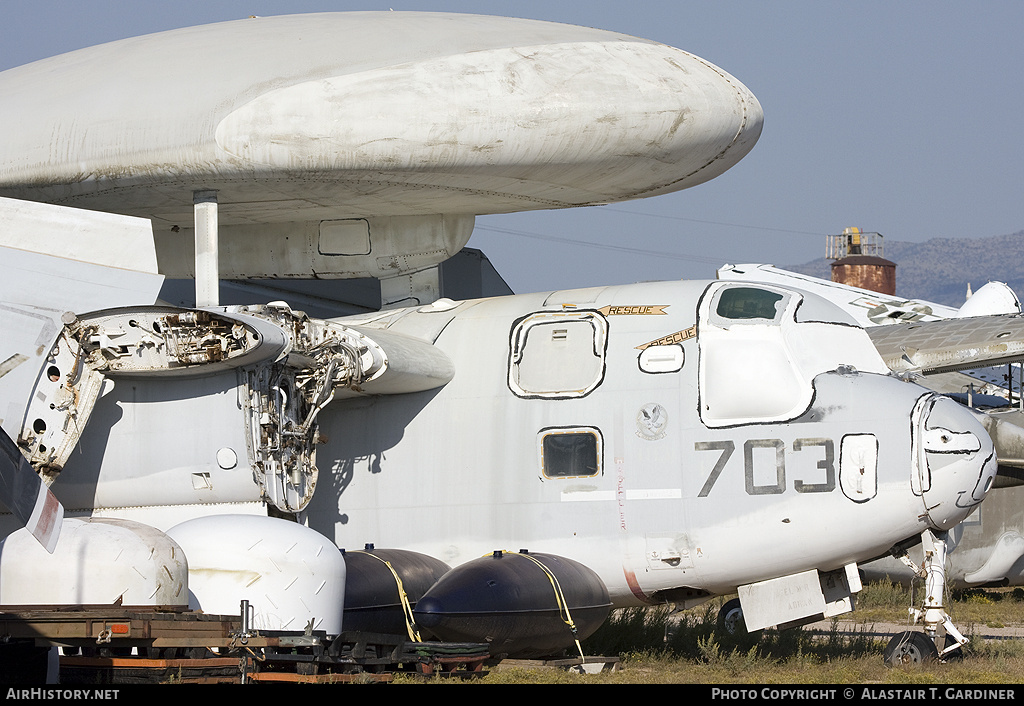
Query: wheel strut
938, 626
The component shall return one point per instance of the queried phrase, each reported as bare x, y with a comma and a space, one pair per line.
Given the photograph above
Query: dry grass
888, 602
658, 648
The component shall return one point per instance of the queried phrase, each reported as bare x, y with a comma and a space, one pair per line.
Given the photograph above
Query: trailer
113, 645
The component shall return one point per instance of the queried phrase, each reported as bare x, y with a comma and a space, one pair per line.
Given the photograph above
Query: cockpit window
748, 303
758, 356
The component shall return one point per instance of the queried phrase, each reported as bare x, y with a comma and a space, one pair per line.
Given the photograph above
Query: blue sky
897, 117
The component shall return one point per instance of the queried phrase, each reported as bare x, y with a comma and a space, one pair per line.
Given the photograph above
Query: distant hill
940, 269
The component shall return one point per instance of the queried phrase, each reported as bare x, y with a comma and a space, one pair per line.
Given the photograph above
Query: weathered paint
368, 114
293, 121
96, 562
680, 506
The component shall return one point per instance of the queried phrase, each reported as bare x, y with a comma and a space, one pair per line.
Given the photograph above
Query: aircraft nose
954, 460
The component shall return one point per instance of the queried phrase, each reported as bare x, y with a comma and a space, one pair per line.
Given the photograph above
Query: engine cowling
291, 575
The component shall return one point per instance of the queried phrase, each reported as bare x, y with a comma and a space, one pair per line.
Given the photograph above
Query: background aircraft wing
950, 345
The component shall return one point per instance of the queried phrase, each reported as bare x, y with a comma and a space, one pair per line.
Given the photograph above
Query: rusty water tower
858, 261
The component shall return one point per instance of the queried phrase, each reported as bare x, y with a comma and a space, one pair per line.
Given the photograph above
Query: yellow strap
559, 599
410, 625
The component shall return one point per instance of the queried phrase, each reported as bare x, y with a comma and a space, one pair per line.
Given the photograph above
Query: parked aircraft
544, 457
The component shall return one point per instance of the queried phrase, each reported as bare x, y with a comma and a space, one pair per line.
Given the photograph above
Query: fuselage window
858, 466
662, 359
570, 453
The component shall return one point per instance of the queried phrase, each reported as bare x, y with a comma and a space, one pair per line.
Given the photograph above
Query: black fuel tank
372, 599
520, 604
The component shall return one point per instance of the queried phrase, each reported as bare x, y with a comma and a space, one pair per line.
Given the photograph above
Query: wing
933, 348
55, 259
950, 345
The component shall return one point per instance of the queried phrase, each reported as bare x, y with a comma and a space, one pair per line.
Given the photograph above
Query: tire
730, 619
910, 648
732, 628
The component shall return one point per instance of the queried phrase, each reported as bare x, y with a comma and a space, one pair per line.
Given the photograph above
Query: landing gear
910, 648
730, 618
732, 629
940, 639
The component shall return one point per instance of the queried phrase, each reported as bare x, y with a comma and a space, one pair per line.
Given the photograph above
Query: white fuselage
459, 472
698, 435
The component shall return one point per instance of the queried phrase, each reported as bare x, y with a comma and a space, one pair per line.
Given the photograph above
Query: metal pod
522, 604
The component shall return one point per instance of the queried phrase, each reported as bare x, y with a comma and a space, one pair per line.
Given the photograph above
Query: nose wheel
910, 648
919, 647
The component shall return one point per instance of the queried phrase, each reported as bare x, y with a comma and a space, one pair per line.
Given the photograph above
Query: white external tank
290, 575
96, 562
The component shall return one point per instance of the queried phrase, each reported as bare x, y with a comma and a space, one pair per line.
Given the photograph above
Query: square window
570, 453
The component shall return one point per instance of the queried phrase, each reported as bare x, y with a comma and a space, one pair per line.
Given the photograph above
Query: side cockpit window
746, 303
761, 347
